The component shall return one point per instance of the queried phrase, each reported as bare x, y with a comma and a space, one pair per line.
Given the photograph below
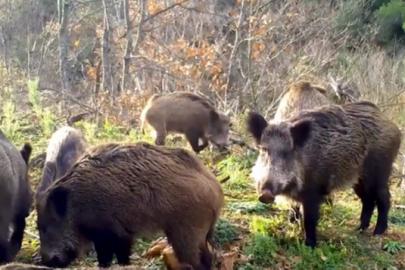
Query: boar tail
26, 152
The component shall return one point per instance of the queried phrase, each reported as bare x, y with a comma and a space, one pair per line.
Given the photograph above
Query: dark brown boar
188, 114
301, 95
15, 196
66, 145
119, 191
319, 151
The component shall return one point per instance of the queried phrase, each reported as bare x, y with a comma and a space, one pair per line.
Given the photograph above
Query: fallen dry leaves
226, 259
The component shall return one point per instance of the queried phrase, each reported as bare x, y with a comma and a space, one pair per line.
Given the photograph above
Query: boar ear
300, 132
256, 124
58, 200
214, 116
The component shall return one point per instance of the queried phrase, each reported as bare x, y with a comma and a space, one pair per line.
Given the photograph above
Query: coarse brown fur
301, 95
319, 151
188, 114
119, 191
66, 145
15, 196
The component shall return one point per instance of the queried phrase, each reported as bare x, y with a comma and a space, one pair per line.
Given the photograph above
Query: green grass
261, 232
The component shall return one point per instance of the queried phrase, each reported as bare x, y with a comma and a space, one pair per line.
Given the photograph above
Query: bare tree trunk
64, 8
232, 58
106, 53
128, 49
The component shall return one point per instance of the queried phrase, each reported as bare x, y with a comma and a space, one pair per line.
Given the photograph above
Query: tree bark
64, 9
105, 45
128, 49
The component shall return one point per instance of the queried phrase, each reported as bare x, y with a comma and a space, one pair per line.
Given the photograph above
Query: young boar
316, 152
188, 114
119, 191
15, 196
301, 95
66, 145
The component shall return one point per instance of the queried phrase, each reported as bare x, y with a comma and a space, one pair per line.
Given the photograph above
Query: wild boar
15, 196
301, 95
188, 114
66, 145
319, 151
119, 191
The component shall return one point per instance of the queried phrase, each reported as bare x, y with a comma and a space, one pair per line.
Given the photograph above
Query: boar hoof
362, 227
380, 229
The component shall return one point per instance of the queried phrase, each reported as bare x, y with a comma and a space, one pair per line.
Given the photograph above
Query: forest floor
252, 235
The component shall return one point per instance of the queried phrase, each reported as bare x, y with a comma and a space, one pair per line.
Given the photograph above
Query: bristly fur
302, 95
15, 196
188, 114
119, 191
316, 152
65, 147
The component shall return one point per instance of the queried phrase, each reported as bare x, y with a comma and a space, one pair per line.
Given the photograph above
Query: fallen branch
232, 196
226, 179
242, 144
32, 234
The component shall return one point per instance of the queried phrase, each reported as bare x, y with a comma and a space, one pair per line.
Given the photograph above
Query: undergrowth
261, 233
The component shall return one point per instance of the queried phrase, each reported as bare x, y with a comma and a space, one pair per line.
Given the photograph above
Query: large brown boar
319, 151
188, 114
15, 196
301, 95
66, 145
119, 191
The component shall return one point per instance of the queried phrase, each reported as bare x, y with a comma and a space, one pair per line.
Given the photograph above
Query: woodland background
106, 57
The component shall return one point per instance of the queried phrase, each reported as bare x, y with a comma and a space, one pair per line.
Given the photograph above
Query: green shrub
390, 18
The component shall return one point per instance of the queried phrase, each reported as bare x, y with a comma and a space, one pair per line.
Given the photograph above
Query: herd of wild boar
103, 196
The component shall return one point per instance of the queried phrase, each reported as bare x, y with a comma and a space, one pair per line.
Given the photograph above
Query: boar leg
185, 246
383, 206
105, 252
368, 205
206, 256
123, 251
5, 256
311, 205
205, 143
17, 236
5, 220
160, 138
192, 138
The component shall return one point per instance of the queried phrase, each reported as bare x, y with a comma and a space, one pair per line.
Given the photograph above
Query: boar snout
266, 197
54, 261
